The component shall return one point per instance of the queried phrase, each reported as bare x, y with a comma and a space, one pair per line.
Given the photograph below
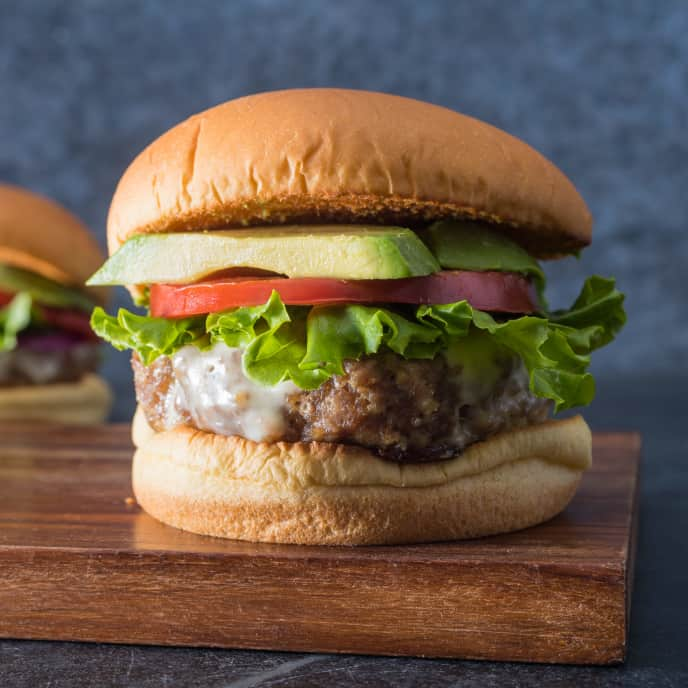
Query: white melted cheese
212, 387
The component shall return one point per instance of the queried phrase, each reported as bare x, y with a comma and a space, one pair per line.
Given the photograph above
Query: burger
345, 337
48, 352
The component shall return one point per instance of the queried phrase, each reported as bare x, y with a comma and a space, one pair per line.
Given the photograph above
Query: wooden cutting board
80, 561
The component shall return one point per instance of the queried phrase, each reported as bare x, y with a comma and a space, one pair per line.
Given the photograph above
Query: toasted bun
334, 494
39, 235
333, 155
86, 402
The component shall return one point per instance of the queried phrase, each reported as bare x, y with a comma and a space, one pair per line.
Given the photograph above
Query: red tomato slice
506, 292
69, 320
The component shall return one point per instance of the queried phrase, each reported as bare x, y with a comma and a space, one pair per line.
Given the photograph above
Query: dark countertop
659, 624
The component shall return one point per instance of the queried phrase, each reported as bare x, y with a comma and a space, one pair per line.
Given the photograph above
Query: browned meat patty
27, 367
402, 410
155, 393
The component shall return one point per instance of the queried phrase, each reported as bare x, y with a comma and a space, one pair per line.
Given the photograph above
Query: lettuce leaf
309, 345
149, 337
273, 338
337, 333
597, 314
556, 370
14, 317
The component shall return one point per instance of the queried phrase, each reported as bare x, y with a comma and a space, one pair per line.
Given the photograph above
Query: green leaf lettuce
149, 337
308, 345
14, 317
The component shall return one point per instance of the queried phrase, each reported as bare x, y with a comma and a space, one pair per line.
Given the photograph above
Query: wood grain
77, 562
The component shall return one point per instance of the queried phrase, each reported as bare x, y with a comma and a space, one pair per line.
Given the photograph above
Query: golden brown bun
322, 493
86, 402
334, 155
39, 235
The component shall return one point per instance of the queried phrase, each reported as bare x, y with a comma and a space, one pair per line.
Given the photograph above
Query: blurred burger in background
48, 354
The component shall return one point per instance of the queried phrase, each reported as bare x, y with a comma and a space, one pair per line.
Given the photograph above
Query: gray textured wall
599, 87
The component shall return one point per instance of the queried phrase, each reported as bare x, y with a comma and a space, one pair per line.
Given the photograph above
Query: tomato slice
505, 292
69, 320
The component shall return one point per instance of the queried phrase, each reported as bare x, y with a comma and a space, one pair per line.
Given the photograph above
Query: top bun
334, 155
39, 235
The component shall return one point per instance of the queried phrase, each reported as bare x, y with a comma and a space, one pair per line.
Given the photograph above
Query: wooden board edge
250, 617
632, 546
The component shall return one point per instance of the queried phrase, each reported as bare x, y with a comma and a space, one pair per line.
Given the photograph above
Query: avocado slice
337, 251
466, 245
42, 289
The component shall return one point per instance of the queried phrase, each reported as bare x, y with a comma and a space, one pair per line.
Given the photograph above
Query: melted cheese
212, 387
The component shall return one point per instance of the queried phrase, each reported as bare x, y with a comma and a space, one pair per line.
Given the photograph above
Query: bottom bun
86, 402
335, 494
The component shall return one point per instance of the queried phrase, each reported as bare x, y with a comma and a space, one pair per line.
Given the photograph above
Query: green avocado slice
340, 252
466, 245
42, 289
337, 251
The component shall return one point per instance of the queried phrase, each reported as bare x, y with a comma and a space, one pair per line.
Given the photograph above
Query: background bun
321, 493
334, 155
39, 235
86, 402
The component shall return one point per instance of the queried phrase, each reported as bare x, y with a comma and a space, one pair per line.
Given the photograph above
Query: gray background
599, 87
